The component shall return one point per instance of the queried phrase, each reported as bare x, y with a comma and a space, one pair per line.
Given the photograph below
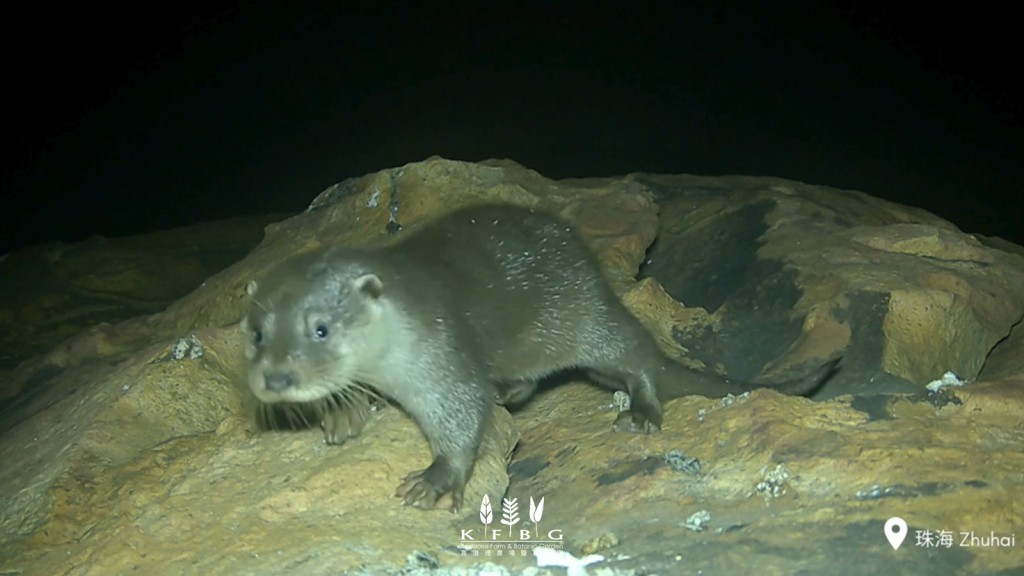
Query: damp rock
422, 560
598, 543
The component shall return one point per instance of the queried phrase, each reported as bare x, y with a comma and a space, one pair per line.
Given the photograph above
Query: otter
472, 308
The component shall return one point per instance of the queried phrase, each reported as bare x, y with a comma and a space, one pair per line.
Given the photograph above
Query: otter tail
806, 385
678, 380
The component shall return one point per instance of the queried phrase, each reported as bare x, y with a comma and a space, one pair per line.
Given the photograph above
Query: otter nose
279, 381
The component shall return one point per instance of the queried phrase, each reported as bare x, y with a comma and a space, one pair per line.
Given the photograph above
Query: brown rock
119, 458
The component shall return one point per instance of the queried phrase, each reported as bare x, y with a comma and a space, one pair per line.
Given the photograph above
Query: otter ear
250, 288
369, 285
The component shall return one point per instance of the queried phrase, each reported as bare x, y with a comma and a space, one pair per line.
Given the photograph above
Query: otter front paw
425, 489
341, 423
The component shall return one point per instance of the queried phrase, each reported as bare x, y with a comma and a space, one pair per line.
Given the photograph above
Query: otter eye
257, 337
320, 331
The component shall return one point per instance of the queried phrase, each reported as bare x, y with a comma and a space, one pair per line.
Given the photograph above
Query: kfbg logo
510, 518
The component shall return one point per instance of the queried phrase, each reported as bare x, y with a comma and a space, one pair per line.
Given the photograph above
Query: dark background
124, 119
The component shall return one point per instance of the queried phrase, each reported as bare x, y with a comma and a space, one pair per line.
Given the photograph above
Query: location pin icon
895, 531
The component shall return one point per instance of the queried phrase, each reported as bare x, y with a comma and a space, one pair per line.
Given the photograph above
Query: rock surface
129, 445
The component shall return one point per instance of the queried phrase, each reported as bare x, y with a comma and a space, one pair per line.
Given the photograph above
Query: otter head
312, 328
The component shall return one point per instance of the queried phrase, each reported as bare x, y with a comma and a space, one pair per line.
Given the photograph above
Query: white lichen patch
773, 482
191, 347
949, 379
697, 521
730, 399
574, 566
620, 401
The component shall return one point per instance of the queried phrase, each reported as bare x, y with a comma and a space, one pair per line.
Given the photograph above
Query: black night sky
123, 120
